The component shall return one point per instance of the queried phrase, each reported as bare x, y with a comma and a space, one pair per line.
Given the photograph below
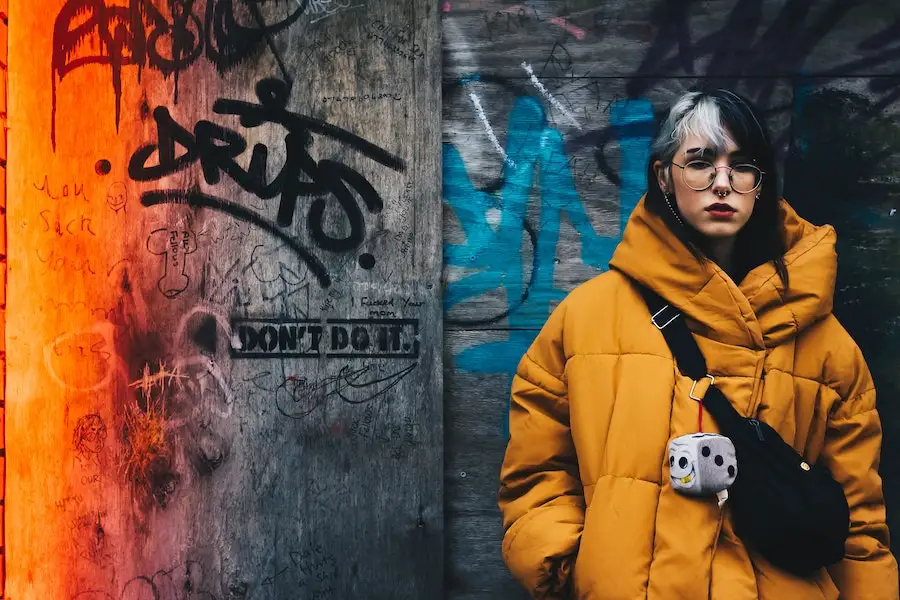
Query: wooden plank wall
548, 108
4, 69
225, 300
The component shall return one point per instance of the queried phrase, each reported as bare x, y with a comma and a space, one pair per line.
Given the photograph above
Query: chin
719, 229
718, 233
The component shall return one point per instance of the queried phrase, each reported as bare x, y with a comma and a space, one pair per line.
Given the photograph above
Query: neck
721, 250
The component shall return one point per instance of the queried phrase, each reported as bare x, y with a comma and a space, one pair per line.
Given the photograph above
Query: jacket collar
756, 314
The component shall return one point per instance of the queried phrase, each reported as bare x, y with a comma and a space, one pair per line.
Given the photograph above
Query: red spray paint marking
578, 32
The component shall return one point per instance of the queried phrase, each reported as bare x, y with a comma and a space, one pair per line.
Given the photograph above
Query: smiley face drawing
681, 466
702, 464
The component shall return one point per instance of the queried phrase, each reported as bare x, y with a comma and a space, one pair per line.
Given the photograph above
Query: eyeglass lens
699, 175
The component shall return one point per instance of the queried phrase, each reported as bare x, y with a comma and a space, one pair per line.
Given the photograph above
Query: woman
587, 502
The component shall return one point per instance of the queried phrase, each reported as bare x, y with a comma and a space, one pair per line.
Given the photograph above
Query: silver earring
672, 208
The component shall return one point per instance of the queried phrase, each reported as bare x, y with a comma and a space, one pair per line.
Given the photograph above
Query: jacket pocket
540, 547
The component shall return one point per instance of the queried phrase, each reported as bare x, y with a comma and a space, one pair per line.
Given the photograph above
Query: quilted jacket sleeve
852, 452
541, 496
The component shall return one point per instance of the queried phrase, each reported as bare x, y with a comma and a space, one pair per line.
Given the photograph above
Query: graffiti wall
225, 300
549, 107
4, 62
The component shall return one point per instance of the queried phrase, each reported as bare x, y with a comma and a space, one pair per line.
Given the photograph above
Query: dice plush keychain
702, 464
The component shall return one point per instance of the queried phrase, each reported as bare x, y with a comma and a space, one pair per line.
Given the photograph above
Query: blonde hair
695, 114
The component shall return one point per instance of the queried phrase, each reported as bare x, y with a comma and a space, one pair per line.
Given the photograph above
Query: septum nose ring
722, 193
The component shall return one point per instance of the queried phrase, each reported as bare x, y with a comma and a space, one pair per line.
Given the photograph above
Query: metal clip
712, 381
666, 324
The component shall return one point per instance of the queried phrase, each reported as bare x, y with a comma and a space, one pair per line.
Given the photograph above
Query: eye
671, 461
745, 169
682, 462
698, 165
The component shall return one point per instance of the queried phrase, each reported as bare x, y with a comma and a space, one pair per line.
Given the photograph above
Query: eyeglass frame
713, 180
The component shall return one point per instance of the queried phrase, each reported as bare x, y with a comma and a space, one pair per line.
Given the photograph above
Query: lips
720, 207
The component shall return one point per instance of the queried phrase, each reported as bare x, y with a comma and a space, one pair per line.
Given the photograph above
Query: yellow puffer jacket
587, 504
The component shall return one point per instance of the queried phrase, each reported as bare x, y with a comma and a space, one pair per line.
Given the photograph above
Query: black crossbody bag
793, 513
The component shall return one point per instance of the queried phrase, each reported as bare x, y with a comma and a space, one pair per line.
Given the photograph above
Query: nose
721, 184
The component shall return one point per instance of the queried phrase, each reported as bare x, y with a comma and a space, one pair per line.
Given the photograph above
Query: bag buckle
712, 382
659, 312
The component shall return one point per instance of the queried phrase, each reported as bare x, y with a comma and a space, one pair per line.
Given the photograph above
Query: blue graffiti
494, 251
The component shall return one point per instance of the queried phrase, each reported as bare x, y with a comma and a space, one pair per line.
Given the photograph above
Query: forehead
693, 141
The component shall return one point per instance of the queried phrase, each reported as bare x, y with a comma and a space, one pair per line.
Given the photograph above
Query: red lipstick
720, 210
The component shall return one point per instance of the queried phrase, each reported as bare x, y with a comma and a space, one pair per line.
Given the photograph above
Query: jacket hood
757, 313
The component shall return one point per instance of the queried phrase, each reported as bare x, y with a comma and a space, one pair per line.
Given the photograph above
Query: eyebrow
709, 151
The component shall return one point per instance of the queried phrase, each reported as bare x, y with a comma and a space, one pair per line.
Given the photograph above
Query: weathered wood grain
228, 374
4, 59
826, 77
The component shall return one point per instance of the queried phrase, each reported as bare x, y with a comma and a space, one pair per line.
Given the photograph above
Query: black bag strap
671, 323
688, 356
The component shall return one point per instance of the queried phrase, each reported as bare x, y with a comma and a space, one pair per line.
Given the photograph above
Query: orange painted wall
148, 460
88, 519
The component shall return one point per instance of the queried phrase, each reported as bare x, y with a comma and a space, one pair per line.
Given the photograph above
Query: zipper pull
759, 432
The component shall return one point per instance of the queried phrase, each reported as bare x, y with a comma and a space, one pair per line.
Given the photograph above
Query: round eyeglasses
700, 174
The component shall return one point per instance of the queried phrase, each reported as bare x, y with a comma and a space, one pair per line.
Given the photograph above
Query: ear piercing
672, 208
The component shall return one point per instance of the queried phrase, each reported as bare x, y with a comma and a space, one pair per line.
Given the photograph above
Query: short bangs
718, 118
704, 121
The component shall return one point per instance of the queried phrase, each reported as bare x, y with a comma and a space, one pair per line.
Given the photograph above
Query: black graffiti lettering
781, 49
316, 333
298, 397
268, 338
92, 32
350, 338
359, 338
169, 135
381, 339
287, 337
395, 337
560, 59
338, 175
766, 51
339, 338
217, 149
199, 200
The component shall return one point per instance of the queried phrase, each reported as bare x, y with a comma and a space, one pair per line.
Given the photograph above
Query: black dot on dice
731, 470
671, 460
705, 451
682, 462
719, 460
102, 167
367, 261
